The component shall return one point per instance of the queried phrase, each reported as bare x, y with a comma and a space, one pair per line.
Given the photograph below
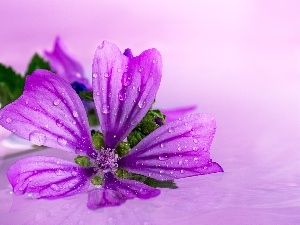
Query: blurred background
238, 60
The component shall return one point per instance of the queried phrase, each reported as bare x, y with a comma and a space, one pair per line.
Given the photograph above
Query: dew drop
180, 163
106, 75
62, 141
126, 79
8, 120
162, 145
54, 187
122, 95
95, 75
59, 123
105, 108
163, 157
58, 172
142, 104
181, 171
171, 130
161, 171
75, 113
56, 102
37, 138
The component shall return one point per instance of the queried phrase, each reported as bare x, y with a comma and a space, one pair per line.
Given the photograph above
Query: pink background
237, 60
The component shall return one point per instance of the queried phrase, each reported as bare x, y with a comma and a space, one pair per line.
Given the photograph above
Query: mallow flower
50, 113
71, 70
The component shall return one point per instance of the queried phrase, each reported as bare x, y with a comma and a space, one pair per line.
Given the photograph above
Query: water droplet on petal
171, 130
62, 141
37, 138
58, 172
75, 113
122, 95
126, 79
8, 120
162, 145
106, 75
95, 75
54, 187
59, 123
142, 104
56, 102
105, 108
181, 171
163, 157
161, 171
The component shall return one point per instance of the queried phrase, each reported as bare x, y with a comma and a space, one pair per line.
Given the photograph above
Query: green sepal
86, 95
83, 161
37, 62
121, 173
97, 139
11, 85
145, 127
93, 117
122, 149
96, 180
135, 137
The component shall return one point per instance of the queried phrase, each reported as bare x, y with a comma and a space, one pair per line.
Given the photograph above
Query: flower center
107, 160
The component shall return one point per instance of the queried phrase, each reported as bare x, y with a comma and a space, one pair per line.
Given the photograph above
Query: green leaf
11, 85
122, 149
86, 95
146, 126
37, 62
121, 173
93, 117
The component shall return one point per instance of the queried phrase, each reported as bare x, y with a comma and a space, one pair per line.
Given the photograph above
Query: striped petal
124, 89
49, 113
176, 150
48, 177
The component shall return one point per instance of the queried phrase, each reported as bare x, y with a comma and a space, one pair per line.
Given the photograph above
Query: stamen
107, 160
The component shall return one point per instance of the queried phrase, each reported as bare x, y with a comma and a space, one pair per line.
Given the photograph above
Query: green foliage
83, 161
37, 62
97, 139
146, 180
122, 149
86, 95
93, 117
146, 126
11, 85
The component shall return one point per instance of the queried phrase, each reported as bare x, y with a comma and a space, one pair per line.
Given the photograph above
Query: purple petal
124, 89
174, 114
116, 191
49, 113
47, 177
175, 150
64, 65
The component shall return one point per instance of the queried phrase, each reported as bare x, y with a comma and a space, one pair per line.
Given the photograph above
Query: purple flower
50, 113
66, 66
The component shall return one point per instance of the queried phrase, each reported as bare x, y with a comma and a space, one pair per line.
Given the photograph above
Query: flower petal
47, 177
116, 191
64, 65
124, 89
175, 150
49, 113
174, 114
